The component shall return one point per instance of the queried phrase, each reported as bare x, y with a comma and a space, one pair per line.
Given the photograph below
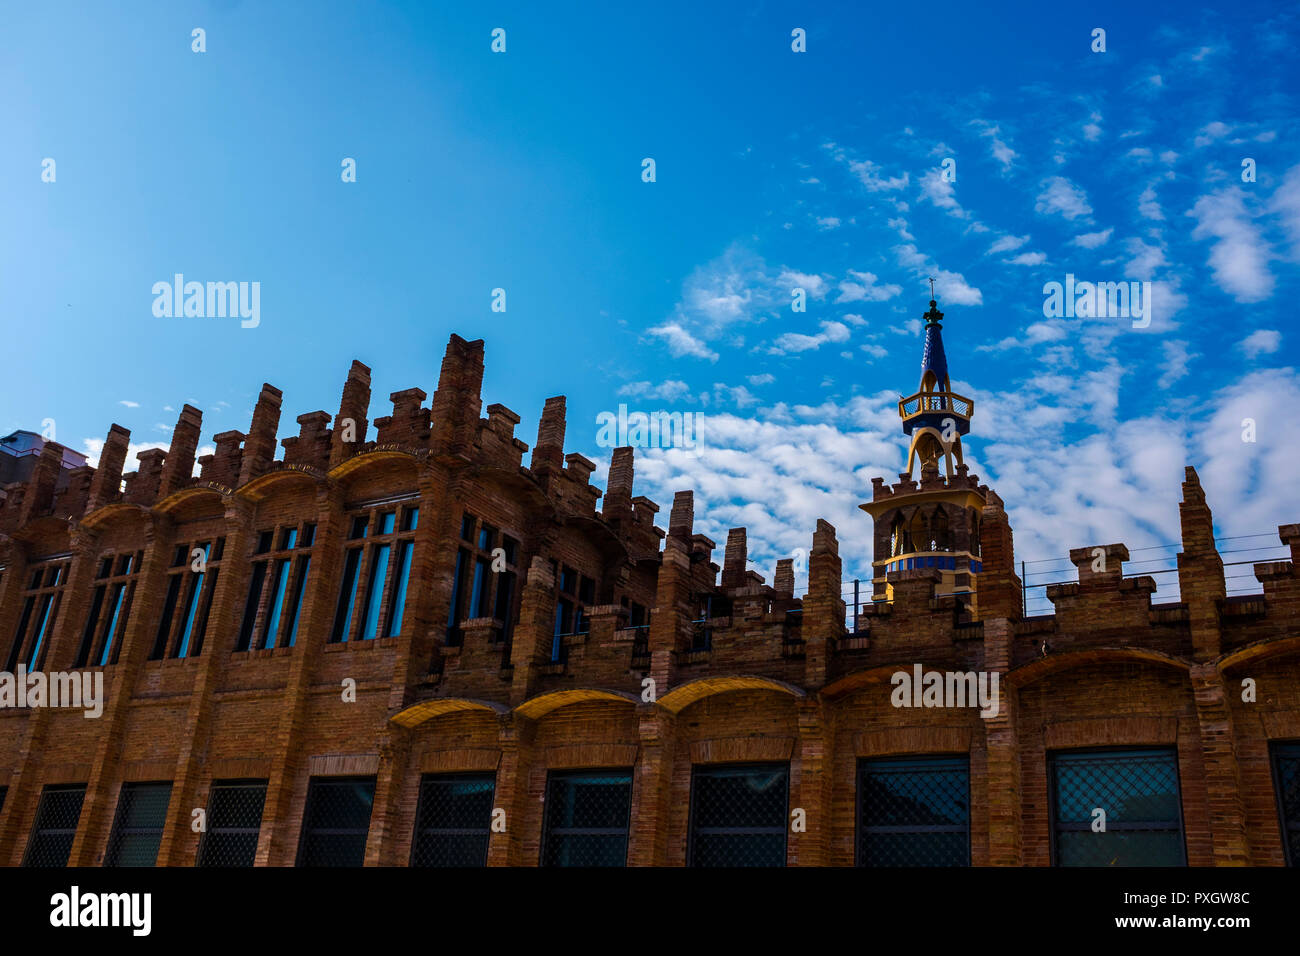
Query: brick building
422, 650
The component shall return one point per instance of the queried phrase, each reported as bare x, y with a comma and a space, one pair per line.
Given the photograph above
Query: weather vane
932, 287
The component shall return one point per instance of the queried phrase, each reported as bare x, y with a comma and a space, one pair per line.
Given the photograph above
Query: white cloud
1260, 342
1148, 207
940, 192
680, 342
766, 378
1176, 357
1007, 244
129, 404
1091, 240
828, 222
669, 391
1059, 195
1239, 255
797, 342
949, 286
1210, 133
1027, 259
865, 289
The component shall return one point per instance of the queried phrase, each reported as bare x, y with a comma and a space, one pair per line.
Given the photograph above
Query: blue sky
774, 169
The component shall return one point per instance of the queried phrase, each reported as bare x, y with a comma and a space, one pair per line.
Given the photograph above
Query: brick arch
543, 704
188, 500
679, 698
262, 486
1265, 650
426, 710
102, 518
858, 680
1052, 664
352, 467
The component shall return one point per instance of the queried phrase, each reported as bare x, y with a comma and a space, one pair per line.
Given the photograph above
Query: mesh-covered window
234, 821
336, 821
138, 825
587, 817
454, 820
739, 814
1137, 789
914, 811
1286, 777
56, 826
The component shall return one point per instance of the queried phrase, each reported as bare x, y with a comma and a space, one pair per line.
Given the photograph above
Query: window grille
1137, 789
138, 824
234, 822
56, 826
739, 814
336, 821
1286, 778
454, 820
587, 814
914, 811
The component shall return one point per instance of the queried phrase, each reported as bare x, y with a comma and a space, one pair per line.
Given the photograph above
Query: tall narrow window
41, 602
280, 569
397, 604
234, 822
374, 589
375, 580
454, 820
483, 585
587, 813
739, 815
192, 581
138, 824
1137, 789
55, 828
914, 811
336, 821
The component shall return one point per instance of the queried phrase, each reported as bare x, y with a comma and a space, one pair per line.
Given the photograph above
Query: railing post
856, 605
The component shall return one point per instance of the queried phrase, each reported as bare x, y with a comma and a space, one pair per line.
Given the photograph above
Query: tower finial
932, 289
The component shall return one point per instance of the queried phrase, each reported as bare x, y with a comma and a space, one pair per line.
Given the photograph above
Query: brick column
14, 557
652, 787
278, 840
120, 678
1001, 736
180, 843
531, 645
427, 604
823, 607
394, 757
1222, 771
810, 788
516, 738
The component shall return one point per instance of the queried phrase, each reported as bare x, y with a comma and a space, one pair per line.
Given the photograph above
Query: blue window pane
34, 659
279, 582
386, 522
118, 596
394, 625
191, 608
304, 566
347, 596
378, 572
